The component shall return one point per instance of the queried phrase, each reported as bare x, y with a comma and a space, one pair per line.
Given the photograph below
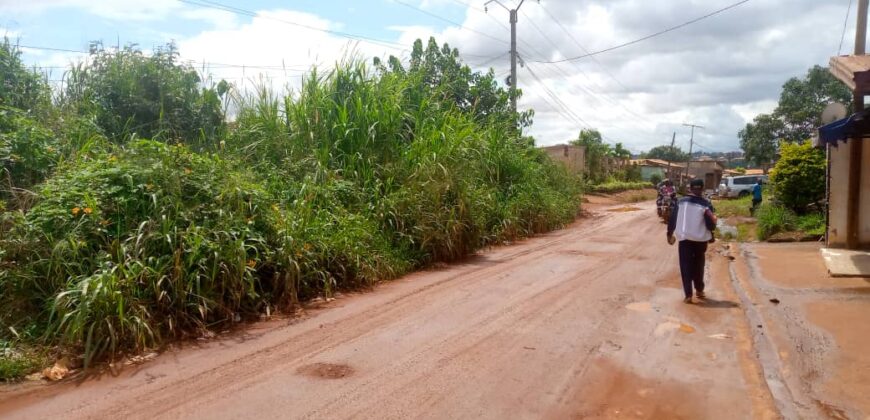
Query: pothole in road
326, 370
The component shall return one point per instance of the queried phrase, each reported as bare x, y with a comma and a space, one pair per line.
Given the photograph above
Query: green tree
673, 154
597, 154
620, 152
440, 74
803, 99
797, 115
760, 138
154, 96
798, 179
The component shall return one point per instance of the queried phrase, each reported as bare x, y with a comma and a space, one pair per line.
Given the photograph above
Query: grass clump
16, 363
734, 207
773, 219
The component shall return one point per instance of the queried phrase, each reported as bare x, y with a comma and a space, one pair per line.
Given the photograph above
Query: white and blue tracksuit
692, 224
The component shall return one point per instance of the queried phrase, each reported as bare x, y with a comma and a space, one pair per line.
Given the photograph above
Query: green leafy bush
798, 179
154, 97
28, 151
21, 88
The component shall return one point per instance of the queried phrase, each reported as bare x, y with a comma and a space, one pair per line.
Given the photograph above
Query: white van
738, 186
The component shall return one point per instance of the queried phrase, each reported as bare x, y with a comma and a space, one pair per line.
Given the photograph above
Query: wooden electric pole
853, 210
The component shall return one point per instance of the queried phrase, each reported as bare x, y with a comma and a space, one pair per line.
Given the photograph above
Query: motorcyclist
666, 190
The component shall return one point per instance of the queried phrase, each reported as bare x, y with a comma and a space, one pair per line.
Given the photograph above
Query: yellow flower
112, 158
75, 211
88, 210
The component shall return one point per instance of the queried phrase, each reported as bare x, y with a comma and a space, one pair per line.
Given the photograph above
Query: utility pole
691, 144
855, 149
673, 139
514, 55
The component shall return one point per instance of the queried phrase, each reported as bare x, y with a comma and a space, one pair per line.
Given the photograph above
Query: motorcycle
665, 207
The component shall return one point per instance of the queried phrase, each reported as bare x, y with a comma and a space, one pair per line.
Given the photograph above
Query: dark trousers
755, 204
692, 265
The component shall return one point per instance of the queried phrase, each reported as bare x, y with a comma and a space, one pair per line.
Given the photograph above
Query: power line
653, 35
611, 100
845, 23
490, 61
291, 67
558, 101
441, 18
577, 42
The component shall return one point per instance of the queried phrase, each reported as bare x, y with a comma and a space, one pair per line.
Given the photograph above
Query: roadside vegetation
134, 213
793, 208
618, 186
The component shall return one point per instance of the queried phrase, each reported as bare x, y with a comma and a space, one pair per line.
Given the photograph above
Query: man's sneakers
688, 300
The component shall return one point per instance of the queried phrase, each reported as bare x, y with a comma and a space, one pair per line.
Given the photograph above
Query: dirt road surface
585, 322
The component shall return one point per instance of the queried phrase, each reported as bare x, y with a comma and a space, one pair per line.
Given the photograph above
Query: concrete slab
846, 263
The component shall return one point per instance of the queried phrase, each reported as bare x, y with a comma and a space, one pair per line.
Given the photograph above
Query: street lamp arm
496, 2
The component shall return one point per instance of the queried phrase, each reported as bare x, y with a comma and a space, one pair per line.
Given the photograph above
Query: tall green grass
359, 177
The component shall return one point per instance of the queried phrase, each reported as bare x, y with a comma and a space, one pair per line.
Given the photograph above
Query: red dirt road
586, 322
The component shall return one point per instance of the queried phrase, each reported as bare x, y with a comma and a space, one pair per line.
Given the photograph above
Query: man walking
692, 224
756, 196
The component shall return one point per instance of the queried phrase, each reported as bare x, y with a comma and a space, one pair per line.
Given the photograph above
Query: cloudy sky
718, 73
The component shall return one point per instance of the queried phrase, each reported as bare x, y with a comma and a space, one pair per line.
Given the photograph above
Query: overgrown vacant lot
135, 213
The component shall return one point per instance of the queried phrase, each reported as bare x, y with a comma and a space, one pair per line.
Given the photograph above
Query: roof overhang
853, 71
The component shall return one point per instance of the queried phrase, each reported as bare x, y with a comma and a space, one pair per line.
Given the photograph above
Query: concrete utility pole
691, 144
514, 55
669, 174
855, 149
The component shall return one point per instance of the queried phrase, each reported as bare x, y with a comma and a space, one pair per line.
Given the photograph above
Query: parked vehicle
738, 186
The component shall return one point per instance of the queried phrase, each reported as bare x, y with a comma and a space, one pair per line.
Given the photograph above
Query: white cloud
126, 10
719, 72
269, 47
